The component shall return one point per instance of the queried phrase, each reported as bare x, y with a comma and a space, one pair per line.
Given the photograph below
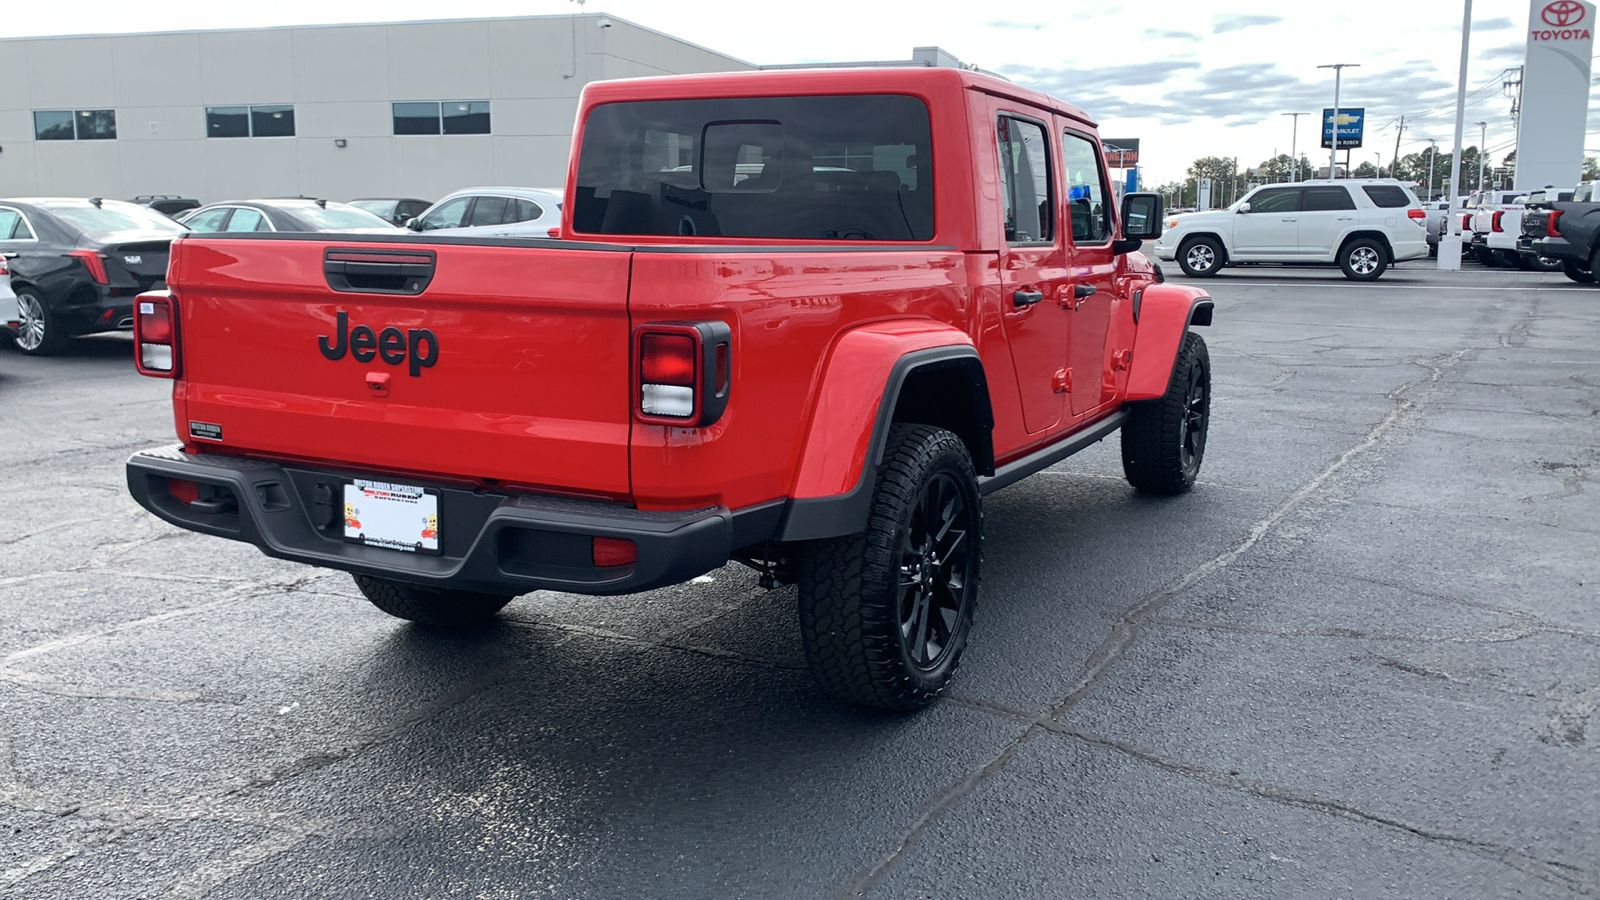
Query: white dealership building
413, 109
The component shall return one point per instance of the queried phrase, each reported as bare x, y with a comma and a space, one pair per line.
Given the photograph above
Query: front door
1268, 229
1091, 296
1033, 271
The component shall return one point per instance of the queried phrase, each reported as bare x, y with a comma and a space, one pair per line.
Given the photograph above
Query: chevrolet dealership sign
1555, 93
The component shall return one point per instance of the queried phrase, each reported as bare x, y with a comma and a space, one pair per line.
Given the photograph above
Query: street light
1379, 157
1483, 130
1333, 145
1294, 133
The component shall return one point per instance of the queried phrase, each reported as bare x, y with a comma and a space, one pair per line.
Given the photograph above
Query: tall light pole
1294, 153
1433, 153
1450, 242
1333, 149
1483, 132
1379, 157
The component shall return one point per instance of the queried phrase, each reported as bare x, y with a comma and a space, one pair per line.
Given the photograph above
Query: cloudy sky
1187, 78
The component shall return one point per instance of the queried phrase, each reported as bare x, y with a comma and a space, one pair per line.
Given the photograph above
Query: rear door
1327, 214
1033, 269
509, 363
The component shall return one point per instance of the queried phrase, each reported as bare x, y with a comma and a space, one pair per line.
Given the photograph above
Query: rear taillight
1416, 214
155, 333
1551, 218
682, 372
94, 262
1494, 222
611, 552
1466, 221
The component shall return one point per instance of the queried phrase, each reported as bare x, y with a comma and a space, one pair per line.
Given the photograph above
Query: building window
448, 117
75, 125
250, 121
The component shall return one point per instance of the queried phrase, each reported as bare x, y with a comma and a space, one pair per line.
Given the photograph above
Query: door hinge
1062, 382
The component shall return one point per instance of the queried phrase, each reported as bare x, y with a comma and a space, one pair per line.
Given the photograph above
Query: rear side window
12, 227
816, 167
520, 210
1387, 196
1326, 198
1025, 181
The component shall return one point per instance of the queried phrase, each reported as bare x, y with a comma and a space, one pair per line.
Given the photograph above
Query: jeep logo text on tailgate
418, 344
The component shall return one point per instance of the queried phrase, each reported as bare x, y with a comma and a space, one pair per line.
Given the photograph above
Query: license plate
394, 516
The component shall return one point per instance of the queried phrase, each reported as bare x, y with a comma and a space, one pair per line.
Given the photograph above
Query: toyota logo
1562, 13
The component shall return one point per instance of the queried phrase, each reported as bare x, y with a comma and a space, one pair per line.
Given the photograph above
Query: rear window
1387, 196
337, 218
829, 168
111, 216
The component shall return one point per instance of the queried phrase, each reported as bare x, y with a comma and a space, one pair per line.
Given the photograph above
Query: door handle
1347, 218
1290, 219
1026, 298
1082, 290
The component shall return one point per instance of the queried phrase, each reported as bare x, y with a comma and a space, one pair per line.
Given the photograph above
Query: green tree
1226, 186
1591, 168
1365, 170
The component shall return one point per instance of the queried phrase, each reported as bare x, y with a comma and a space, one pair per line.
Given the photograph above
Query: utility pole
1333, 160
1450, 243
1294, 153
1394, 170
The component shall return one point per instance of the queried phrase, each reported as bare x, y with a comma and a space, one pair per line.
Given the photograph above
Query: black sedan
394, 209
79, 263
290, 214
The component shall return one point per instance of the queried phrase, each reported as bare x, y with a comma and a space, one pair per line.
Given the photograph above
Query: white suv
1363, 225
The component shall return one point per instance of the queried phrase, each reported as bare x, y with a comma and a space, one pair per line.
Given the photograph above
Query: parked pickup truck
803, 320
1568, 232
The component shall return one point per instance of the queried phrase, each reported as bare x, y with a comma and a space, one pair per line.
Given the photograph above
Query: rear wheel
1534, 263
39, 331
1200, 257
1164, 441
1508, 259
1363, 259
437, 607
1576, 272
885, 614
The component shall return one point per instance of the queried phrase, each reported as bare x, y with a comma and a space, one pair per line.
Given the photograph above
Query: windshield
113, 216
338, 217
376, 207
824, 167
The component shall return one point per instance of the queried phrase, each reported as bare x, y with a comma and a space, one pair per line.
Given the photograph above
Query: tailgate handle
358, 270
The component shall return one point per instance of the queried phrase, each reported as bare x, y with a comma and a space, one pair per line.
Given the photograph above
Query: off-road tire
1196, 268
1576, 272
1164, 441
1363, 259
40, 332
435, 607
857, 591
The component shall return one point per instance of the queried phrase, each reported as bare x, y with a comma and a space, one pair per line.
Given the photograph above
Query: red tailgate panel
529, 385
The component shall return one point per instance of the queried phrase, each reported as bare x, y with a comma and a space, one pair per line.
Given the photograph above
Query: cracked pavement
1361, 659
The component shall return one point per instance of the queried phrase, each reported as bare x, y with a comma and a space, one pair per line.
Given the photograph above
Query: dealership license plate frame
386, 501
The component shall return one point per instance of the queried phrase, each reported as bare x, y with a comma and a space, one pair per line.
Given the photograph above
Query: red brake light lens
1416, 214
1550, 223
667, 359
1494, 221
94, 262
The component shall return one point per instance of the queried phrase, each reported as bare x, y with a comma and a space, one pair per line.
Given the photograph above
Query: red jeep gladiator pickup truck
804, 320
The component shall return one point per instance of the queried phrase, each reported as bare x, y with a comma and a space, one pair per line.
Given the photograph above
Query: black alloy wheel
935, 556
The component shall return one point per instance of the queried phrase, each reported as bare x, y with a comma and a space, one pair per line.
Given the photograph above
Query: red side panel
529, 384
787, 310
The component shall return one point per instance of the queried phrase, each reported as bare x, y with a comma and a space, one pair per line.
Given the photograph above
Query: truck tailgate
526, 381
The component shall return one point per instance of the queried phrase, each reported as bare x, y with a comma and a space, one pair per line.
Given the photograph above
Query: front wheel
1200, 258
1363, 259
885, 614
1164, 441
438, 607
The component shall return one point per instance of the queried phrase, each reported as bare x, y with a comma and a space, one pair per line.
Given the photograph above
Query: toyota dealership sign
1555, 93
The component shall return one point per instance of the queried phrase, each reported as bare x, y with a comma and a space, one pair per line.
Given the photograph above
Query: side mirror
414, 223
1141, 221
1244, 207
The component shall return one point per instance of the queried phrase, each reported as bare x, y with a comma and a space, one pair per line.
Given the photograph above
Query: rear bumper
1555, 248
500, 543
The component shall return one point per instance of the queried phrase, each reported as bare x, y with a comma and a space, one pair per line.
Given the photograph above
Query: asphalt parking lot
1361, 659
